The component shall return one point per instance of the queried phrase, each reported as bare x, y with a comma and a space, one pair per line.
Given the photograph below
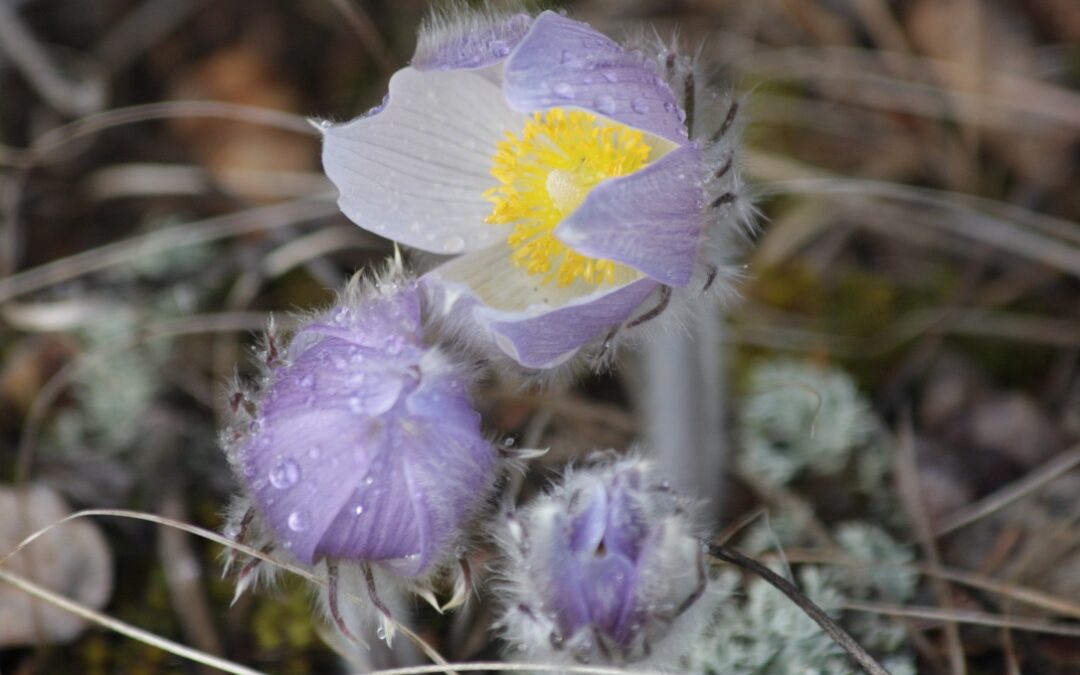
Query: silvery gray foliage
120, 373
605, 568
799, 418
763, 632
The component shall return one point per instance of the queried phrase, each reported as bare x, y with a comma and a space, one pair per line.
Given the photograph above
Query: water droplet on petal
564, 90
369, 479
358, 509
381, 633
605, 104
299, 521
453, 244
285, 475
640, 106
669, 106
314, 452
500, 48
610, 76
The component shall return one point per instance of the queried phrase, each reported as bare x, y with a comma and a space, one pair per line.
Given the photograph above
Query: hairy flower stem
682, 397
838, 634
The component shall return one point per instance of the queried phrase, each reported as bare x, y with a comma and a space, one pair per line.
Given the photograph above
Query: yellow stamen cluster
545, 174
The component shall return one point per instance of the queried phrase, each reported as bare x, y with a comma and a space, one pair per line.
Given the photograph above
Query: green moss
284, 619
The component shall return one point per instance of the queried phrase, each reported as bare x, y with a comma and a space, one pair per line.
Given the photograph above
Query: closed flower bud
606, 569
363, 444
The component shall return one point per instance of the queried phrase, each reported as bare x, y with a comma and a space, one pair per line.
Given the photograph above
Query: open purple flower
363, 445
556, 162
606, 568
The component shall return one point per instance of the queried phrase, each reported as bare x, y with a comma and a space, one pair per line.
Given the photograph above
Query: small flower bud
363, 444
606, 568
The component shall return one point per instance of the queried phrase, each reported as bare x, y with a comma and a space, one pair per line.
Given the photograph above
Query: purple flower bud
606, 568
363, 444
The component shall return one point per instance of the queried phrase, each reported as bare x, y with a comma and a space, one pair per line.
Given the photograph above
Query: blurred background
902, 371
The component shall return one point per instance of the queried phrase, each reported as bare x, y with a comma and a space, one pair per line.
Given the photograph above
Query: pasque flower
362, 444
555, 163
605, 568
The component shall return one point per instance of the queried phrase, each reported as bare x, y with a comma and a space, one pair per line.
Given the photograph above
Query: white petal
416, 171
492, 277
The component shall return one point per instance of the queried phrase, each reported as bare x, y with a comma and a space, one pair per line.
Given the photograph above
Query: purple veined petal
387, 517
537, 325
547, 340
589, 524
300, 497
393, 519
416, 171
468, 42
650, 220
608, 582
562, 62
387, 331
419, 500
627, 524
444, 403
560, 578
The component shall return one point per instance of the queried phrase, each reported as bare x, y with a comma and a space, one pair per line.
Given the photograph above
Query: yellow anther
545, 174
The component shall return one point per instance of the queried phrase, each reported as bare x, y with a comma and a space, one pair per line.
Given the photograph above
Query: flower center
545, 174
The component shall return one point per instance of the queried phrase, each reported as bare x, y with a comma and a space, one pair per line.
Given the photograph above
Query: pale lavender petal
306, 444
650, 220
538, 325
627, 525
587, 530
609, 583
546, 340
417, 493
562, 62
608, 607
470, 42
366, 446
416, 171
563, 577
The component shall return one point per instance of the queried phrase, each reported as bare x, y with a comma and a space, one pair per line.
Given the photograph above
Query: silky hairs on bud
605, 568
362, 445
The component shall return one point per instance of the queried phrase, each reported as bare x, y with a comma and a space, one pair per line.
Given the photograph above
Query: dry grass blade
211, 229
226, 322
1051, 247
1045, 474
788, 332
907, 478
954, 616
53, 140
1028, 596
1007, 99
123, 627
368, 33
228, 543
478, 666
